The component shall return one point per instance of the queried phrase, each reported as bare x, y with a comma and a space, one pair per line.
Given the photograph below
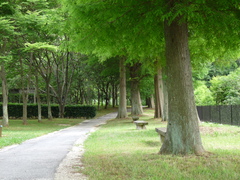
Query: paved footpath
39, 158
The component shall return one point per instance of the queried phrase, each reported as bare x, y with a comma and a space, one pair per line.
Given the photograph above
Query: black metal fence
224, 114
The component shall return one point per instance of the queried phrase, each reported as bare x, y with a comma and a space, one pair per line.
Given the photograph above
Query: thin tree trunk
150, 102
50, 117
165, 100
122, 108
116, 95
5, 121
183, 136
25, 100
159, 95
99, 98
38, 99
113, 95
158, 107
24, 93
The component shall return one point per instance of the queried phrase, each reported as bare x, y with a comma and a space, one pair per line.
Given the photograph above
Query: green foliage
40, 46
226, 89
203, 96
80, 111
77, 111
5, 8
115, 28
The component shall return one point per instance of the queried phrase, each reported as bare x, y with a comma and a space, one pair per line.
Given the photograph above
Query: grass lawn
119, 151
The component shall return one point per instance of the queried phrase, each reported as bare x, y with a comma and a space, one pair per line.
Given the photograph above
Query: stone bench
162, 133
141, 124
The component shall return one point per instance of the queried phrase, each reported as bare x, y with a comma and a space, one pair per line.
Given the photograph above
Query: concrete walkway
39, 158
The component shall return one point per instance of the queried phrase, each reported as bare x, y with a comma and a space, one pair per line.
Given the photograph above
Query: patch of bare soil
212, 130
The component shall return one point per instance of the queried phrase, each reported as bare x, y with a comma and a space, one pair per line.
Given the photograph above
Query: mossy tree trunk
183, 136
122, 108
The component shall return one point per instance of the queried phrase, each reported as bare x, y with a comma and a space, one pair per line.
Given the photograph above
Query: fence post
210, 113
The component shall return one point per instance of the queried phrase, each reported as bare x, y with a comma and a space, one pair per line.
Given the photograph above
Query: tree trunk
5, 121
61, 110
135, 92
24, 93
136, 99
122, 108
25, 100
150, 102
38, 99
106, 92
113, 94
165, 100
116, 95
158, 105
50, 117
183, 136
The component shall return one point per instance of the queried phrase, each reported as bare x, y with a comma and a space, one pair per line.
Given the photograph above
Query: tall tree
7, 32
183, 136
4, 95
131, 27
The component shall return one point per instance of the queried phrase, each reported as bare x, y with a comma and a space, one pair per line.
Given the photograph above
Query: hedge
71, 111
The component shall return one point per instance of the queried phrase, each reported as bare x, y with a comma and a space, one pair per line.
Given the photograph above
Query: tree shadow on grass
152, 143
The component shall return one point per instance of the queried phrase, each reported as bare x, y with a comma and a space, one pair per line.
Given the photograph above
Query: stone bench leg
140, 126
162, 138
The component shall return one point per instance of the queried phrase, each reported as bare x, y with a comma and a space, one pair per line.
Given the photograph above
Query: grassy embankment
119, 151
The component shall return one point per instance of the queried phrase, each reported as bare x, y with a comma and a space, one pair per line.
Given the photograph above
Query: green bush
203, 96
71, 111
80, 111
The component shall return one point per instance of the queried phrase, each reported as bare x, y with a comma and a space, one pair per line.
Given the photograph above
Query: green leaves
6, 28
6, 9
40, 46
226, 89
110, 28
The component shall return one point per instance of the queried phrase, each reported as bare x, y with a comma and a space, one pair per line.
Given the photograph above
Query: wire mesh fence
223, 114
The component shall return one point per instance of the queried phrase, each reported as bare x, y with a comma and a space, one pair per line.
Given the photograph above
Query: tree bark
136, 99
165, 100
135, 92
150, 102
25, 100
38, 99
5, 121
50, 117
24, 93
183, 136
113, 94
122, 108
158, 98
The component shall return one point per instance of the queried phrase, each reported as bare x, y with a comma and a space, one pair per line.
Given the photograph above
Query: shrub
71, 111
